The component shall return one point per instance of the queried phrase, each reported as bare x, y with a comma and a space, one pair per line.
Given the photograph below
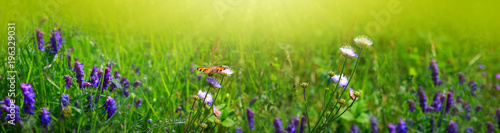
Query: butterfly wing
220, 68
206, 70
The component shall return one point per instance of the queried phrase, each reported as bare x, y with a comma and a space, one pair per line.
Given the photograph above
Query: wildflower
481, 66
341, 80
238, 130
478, 108
68, 79
497, 75
212, 82
45, 118
461, 78
432, 124
77, 104
292, 124
208, 99
304, 84
302, 124
56, 41
79, 73
107, 79
150, 121
498, 87
473, 87
342, 101
411, 106
109, 105
125, 83
178, 108
253, 101
216, 111
137, 83
39, 39
7, 106
137, 71
466, 107
373, 124
348, 52
452, 127
352, 95
490, 127
459, 100
29, 98
138, 103
434, 72
65, 100
363, 41
469, 130
422, 98
498, 117
89, 99
250, 119
449, 102
401, 128
94, 79
113, 86
392, 128
69, 61
429, 109
277, 125
436, 102
355, 129
117, 75
227, 72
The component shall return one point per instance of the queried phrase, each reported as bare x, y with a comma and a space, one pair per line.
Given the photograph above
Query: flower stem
307, 114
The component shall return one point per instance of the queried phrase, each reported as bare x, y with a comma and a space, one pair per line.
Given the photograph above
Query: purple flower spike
401, 128
94, 79
69, 62
9, 105
436, 102
250, 119
238, 130
302, 124
79, 73
137, 83
373, 124
125, 83
478, 108
277, 125
461, 78
452, 127
473, 87
411, 106
449, 102
107, 79
212, 82
117, 75
498, 117
45, 118
355, 129
29, 98
253, 100
434, 72
56, 41
392, 128
65, 100
422, 98
469, 130
178, 108
110, 107
89, 99
39, 39
68, 81
490, 127
137, 71
466, 107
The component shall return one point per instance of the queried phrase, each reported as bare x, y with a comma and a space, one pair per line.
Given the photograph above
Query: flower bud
304, 85
357, 93
217, 121
341, 101
331, 73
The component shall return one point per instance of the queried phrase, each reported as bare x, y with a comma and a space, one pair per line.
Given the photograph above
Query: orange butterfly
212, 70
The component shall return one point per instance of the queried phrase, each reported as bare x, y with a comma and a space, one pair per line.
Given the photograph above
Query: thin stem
307, 114
329, 121
203, 102
324, 108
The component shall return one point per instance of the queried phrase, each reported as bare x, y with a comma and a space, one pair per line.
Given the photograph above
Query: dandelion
138, 103
341, 80
490, 127
56, 41
94, 79
79, 73
250, 119
348, 52
29, 97
253, 100
212, 82
411, 106
355, 129
392, 128
277, 125
137, 83
109, 106
68, 80
208, 99
473, 87
422, 98
401, 128
216, 111
373, 124
227, 72
39, 39
469, 130
449, 102
434, 72
302, 124
363, 41
461, 78
452, 127
45, 118
466, 107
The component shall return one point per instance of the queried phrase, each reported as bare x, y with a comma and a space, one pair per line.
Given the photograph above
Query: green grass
271, 46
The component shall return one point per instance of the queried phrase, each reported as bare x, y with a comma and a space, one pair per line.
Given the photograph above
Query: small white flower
227, 72
342, 80
363, 41
348, 52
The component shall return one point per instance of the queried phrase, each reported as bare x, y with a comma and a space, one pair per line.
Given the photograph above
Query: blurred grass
299, 38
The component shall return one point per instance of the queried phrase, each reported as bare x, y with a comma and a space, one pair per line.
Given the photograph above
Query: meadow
131, 66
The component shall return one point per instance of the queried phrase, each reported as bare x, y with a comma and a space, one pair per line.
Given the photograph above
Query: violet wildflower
29, 98
254, 99
89, 99
459, 100
373, 124
478, 108
137, 71
422, 98
341, 80
69, 61
490, 127
466, 107
56, 41
469, 130
77, 104
39, 39
449, 102
226, 72
117, 75
429, 109
125, 83
277, 125
138, 103
497, 75
208, 99
68, 81
392, 128
452, 127
65, 100
79, 73
137, 83
8, 106
436, 102
216, 111
110, 107
461, 78
411, 106
498, 87
87, 84
178, 108
94, 79
498, 117
302, 124
401, 128
238, 130
113, 86
212, 82
107, 79
481, 66
355, 129
473, 87
352, 94
348, 52
434, 72
45, 118
250, 119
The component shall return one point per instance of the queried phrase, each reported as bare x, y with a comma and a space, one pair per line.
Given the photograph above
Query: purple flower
178, 108
355, 129
436, 102
117, 75
250, 119
473, 87
481, 66
69, 61
411, 106
45, 118
113, 86
79, 73
238, 130
490, 127
125, 83
478, 108
65, 100
431, 122
89, 99
110, 107
253, 100
292, 124
56, 41
77, 104
107, 79
459, 100
373, 124
422, 98
429, 109
94, 79
434, 72
401, 128
497, 75
9, 105
137, 71
277, 125
498, 87
68, 80
302, 124
461, 78
39, 39
138, 103
29, 98
452, 127
208, 99
469, 130
137, 83
449, 102
87, 84
466, 107
212, 82
498, 117
392, 128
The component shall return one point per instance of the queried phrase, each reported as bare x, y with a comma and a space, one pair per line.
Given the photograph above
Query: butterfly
212, 70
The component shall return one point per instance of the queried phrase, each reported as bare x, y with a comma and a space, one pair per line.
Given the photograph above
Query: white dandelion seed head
363, 41
342, 80
348, 52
